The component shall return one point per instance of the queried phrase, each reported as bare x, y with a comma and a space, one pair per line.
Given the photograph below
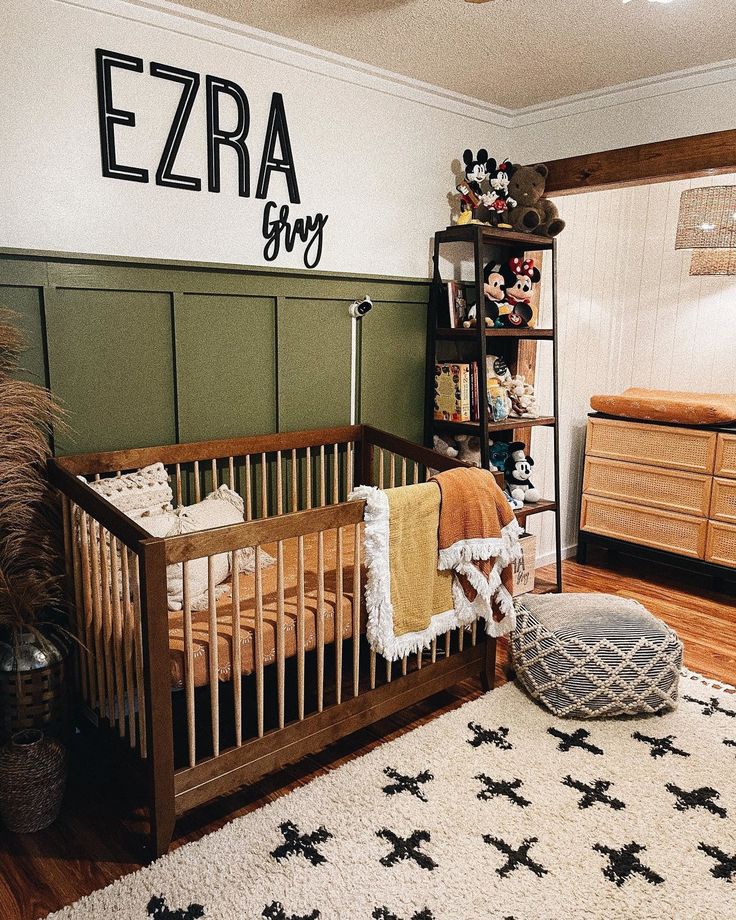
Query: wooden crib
290, 670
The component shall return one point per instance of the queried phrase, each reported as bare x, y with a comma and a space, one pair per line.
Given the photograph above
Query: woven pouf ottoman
592, 655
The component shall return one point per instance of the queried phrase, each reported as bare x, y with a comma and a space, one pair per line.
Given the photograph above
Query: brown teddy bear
533, 213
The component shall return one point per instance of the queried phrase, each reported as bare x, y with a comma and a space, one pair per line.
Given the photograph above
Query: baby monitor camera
359, 308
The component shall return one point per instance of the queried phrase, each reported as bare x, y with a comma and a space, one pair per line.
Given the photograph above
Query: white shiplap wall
629, 315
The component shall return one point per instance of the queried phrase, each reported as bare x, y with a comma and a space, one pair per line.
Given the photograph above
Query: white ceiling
512, 53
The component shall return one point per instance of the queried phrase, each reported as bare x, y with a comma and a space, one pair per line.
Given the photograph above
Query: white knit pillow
218, 509
144, 490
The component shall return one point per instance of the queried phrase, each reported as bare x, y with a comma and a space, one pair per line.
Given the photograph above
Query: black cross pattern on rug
711, 707
495, 736
410, 784
494, 788
624, 863
576, 739
159, 910
698, 798
725, 867
407, 848
275, 911
729, 742
660, 746
383, 913
515, 858
304, 844
594, 792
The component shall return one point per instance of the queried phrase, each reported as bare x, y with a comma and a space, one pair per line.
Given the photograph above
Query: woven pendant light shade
707, 218
713, 262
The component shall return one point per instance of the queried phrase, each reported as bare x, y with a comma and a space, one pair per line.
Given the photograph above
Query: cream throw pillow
218, 509
147, 489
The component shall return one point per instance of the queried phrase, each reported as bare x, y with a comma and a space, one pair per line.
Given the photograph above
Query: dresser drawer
675, 490
687, 449
726, 456
675, 533
723, 501
721, 543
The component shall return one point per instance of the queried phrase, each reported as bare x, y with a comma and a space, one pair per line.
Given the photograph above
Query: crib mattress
200, 619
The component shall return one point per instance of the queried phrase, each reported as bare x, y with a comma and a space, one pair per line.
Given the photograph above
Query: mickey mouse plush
477, 168
517, 473
520, 276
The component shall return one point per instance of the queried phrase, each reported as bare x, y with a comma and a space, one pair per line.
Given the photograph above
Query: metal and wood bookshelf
516, 346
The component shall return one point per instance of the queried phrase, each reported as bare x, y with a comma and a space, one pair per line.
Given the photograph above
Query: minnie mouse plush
520, 275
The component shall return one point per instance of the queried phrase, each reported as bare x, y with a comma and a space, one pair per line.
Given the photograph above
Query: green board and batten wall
145, 352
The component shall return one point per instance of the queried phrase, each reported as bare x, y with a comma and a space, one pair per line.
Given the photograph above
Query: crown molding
662, 85
226, 33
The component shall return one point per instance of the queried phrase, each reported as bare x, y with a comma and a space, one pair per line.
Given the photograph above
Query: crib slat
309, 478
419, 660
404, 665
97, 631
338, 619
389, 670
138, 637
415, 474
448, 636
372, 669
107, 644
434, 650
335, 474
117, 628
294, 481
259, 640
236, 657
178, 485
79, 615
279, 485
248, 490
460, 639
322, 477
88, 611
392, 472
473, 633
264, 486
356, 610
69, 568
189, 665
300, 625
280, 651
320, 620
380, 468
231, 472
213, 656
128, 646
403, 471
197, 487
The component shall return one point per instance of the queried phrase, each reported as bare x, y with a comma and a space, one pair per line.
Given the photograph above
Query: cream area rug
494, 811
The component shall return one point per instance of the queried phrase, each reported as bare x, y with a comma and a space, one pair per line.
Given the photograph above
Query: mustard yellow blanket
410, 597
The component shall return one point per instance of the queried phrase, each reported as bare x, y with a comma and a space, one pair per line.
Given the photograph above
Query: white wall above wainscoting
371, 150
629, 315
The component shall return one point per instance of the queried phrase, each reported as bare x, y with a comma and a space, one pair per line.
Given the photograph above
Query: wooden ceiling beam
681, 158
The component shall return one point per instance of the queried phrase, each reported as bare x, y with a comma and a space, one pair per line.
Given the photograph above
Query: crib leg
159, 730
488, 674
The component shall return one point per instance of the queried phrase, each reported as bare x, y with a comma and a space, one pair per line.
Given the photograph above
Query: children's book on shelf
452, 392
457, 303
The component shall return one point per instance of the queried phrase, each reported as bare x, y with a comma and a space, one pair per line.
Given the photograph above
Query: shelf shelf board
508, 424
531, 508
493, 236
472, 334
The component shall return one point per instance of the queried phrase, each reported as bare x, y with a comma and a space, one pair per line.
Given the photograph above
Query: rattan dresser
668, 490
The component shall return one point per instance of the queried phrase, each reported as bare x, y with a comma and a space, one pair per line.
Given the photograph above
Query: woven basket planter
32, 779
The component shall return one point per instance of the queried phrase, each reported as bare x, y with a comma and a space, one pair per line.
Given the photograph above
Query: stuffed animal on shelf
496, 201
494, 288
522, 397
532, 213
518, 471
499, 452
446, 448
520, 277
469, 449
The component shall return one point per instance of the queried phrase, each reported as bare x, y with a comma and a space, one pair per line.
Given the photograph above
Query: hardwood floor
91, 846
